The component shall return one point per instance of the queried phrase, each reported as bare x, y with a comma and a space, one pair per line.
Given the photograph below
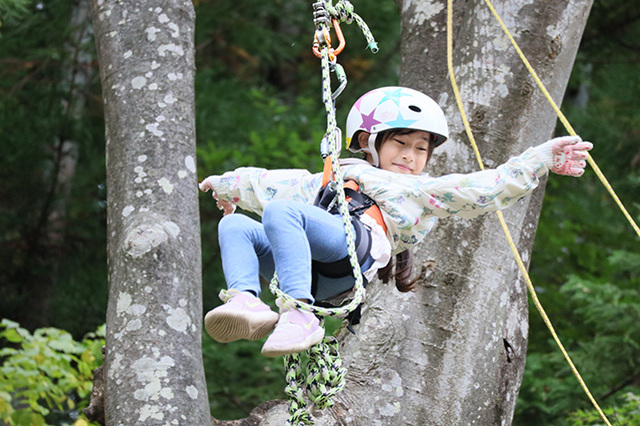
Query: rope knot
343, 10
325, 377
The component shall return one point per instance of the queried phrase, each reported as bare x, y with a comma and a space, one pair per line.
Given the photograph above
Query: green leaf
8, 323
12, 335
28, 418
66, 344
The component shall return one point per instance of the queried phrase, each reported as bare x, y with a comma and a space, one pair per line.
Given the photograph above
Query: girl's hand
226, 206
568, 155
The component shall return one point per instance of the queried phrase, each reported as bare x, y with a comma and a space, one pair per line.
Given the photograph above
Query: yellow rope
564, 120
514, 249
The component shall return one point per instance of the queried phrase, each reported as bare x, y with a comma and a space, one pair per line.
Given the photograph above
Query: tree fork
453, 352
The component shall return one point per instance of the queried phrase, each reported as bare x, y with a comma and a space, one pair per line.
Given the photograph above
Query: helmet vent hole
414, 108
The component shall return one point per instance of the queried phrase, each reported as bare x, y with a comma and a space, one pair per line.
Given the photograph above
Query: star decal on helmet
400, 122
394, 95
368, 121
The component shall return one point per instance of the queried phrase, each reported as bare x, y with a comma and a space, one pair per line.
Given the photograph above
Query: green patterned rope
324, 379
343, 11
335, 143
325, 375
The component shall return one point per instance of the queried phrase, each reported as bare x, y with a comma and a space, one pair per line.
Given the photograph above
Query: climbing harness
331, 283
325, 375
512, 245
359, 204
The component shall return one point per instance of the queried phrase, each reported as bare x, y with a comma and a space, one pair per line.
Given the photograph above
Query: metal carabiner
323, 38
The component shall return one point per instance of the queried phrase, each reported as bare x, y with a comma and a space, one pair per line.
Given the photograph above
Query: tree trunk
77, 73
453, 352
153, 365
44, 242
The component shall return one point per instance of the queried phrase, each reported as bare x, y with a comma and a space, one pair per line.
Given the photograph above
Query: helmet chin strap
372, 149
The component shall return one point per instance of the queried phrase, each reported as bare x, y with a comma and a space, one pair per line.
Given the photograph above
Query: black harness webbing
358, 204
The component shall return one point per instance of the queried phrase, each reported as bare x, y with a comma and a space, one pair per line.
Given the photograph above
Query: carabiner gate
322, 39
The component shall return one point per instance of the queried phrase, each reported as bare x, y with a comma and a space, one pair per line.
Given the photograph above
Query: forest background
258, 103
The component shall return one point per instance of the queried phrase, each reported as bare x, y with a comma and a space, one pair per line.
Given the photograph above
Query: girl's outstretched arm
469, 195
252, 188
410, 203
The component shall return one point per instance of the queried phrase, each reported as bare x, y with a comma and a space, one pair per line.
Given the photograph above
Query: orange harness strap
327, 174
373, 211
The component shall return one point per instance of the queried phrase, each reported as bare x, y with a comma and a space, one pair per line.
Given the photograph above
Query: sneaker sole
227, 327
311, 340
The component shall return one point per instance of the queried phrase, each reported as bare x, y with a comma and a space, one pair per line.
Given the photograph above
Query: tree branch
255, 417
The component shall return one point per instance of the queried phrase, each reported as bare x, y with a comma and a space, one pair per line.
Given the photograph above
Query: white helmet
394, 108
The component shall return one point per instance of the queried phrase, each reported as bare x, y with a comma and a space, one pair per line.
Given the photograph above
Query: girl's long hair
402, 274
403, 260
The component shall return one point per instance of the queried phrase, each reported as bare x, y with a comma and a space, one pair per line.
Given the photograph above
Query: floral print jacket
410, 204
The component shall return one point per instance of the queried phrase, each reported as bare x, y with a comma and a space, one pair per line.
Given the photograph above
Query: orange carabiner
327, 38
342, 43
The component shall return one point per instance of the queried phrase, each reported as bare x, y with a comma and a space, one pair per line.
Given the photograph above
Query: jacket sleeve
252, 188
465, 195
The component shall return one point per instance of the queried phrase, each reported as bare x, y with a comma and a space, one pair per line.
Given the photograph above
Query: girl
396, 129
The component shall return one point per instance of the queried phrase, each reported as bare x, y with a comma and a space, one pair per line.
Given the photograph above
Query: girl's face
406, 154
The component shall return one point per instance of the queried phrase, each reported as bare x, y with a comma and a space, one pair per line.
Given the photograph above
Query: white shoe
243, 316
295, 332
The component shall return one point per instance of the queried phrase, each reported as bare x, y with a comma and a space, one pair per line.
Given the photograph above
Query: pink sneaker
296, 331
243, 316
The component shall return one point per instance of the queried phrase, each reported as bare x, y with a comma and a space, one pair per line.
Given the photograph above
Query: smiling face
403, 152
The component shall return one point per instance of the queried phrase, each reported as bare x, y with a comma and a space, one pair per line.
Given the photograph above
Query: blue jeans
290, 236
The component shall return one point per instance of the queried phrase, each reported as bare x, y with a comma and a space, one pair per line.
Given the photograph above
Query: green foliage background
46, 377
258, 103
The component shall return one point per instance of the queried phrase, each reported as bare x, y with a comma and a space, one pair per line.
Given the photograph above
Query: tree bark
453, 352
153, 366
